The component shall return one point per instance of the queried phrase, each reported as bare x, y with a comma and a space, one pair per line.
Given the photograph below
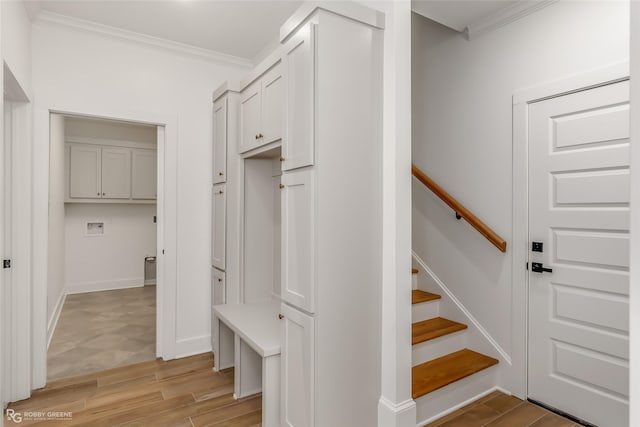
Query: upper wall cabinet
261, 110
104, 173
220, 141
299, 73
144, 174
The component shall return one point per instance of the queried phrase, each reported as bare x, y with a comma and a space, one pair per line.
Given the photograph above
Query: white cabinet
299, 75
261, 111
144, 174
298, 239
297, 369
110, 174
85, 166
218, 291
220, 141
218, 232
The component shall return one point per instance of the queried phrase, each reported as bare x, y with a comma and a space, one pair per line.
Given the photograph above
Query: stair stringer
441, 402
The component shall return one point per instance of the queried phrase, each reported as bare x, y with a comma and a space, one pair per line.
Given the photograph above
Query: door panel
299, 73
219, 224
85, 170
298, 239
220, 141
272, 105
116, 173
250, 117
297, 361
579, 210
218, 293
144, 174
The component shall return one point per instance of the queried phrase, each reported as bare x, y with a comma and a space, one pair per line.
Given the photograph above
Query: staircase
445, 373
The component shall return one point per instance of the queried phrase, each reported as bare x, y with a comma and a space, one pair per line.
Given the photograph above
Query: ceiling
240, 28
459, 14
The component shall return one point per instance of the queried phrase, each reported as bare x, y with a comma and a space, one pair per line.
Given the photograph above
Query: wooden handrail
460, 210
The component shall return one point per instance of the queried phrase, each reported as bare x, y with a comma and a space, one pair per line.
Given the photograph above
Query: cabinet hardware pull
260, 135
280, 316
281, 186
220, 173
282, 159
257, 136
219, 280
104, 194
98, 194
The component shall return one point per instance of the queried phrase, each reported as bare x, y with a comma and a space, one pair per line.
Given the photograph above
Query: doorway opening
103, 239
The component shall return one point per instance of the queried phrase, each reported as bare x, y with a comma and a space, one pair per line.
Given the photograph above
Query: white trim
104, 285
350, 10
273, 59
227, 86
110, 142
520, 209
505, 16
503, 354
192, 346
118, 33
462, 404
401, 414
574, 83
53, 321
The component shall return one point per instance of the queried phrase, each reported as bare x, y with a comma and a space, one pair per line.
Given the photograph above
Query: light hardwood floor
179, 393
102, 330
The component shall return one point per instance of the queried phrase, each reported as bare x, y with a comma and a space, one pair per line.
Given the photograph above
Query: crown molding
118, 33
505, 16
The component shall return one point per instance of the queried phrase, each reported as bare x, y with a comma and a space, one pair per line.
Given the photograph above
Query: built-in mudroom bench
297, 221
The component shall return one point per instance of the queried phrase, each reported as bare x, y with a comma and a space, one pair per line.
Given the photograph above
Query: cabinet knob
282, 159
281, 186
280, 316
219, 279
98, 194
260, 135
104, 194
220, 192
220, 173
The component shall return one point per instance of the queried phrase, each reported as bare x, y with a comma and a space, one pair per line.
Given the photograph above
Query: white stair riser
454, 395
425, 310
438, 347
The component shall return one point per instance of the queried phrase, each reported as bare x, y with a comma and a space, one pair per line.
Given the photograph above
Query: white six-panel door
579, 210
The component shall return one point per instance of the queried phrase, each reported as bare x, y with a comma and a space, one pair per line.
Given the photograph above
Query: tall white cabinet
331, 219
310, 143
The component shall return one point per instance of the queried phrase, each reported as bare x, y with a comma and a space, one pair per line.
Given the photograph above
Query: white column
396, 407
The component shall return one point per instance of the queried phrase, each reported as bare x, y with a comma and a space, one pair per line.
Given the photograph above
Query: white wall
56, 265
462, 135
16, 42
82, 127
114, 260
82, 71
635, 218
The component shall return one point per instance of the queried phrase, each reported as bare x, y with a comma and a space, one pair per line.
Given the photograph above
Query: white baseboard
396, 415
53, 321
104, 285
192, 346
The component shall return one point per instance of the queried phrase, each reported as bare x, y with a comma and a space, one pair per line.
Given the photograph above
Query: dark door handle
537, 267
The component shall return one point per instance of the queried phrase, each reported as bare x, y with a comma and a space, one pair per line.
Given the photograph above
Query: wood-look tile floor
179, 393
499, 410
102, 330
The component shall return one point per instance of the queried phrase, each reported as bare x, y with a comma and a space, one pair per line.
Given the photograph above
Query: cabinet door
250, 117
218, 291
218, 208
298, 239
272, 105
297, 362
144, 174
116, 173
299, 77
84, 172
220, 141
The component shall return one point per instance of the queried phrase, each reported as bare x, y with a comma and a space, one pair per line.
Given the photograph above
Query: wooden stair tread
434, 328
414, 271
418, 296
437, 373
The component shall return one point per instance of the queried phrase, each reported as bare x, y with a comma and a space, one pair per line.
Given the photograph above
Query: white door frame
18, 378
167, 227
517, 382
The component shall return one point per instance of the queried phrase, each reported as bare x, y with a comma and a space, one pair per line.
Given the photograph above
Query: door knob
537, 267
